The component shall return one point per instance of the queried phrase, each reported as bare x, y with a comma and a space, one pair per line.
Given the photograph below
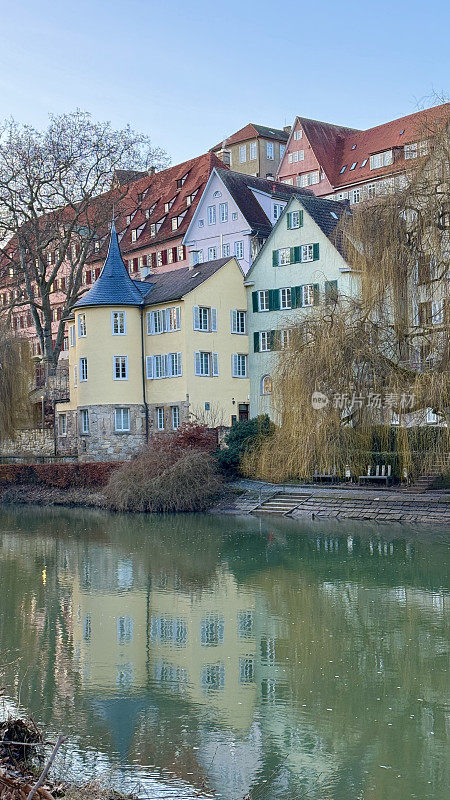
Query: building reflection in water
303, 656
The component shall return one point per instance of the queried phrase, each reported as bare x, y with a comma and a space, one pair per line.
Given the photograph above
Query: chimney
224, 154
151, 170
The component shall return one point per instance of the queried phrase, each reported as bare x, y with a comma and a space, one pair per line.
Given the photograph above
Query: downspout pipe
144, 398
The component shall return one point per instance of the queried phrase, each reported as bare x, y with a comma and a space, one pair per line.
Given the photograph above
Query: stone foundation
28, 443
183, 405
103, 442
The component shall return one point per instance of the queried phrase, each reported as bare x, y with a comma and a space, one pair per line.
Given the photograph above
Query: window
296, 155
62, 424
134, 234
206, 364
84, 419
175, 417
83, 369
253, 151
164, 320
197, 257
239, 249
264, 341
243, 153
212, 628
81, 325
343, 169
308, 178
205, 319
285, 338
180, 252
213, 677
294, 219
356, 195
121, 419
159, 366
118, 323
120, 372
263, 300
285, 298
307, 252
284, 256
246, 669
371, 191
383, 159
211, 215
234, 215
174, 223
174, 365
245, 624
266, 384
226, 250
239, 365
160, 418
72, 335
308, 294
124, 630
212, 253
277, 210
238, 321
411, 150
298, 134
269, 150
223, 212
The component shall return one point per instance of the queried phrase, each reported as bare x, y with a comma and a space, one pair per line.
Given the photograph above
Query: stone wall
103, 443
29, 442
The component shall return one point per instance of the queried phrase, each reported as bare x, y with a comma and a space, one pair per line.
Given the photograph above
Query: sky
190, 74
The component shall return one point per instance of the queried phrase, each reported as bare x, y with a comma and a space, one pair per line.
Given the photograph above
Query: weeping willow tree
362, 375
15, 375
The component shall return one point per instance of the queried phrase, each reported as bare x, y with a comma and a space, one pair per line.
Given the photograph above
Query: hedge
64, 476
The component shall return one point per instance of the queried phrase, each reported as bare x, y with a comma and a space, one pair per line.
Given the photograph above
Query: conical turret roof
114, 286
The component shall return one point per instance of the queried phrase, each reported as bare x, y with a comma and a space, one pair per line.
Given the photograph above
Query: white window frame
212, 217
285, 299
212, 253
239, 365
62, 424
160, 418
223, 212
308, 295
284, 256
119, 317
120, 423
83, 366
264, 341
81, 326
175, 410
298, 134
238, 322
239, 250
383, 159
202, 365
277, 210
72, 339
263, 295
253, 151
84, 420
226, 250
270, 151
115, 362
242, 153
307, 252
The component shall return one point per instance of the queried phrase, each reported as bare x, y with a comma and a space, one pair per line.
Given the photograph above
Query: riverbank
291, 500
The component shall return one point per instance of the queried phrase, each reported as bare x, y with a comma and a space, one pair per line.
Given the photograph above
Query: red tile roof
417, 126
325, 139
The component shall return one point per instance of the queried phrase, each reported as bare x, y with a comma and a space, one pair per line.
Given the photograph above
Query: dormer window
153, 229
383, 159
174, 223
364, 162
217, 194
134, 234
343, 169
353, 165
353, 146
96, 246
180, 181
190, 198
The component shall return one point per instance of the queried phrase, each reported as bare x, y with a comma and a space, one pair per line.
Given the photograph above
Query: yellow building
150, 355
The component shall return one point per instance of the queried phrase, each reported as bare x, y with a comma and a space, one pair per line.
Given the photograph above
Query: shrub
63, 476
164, 478
243, 437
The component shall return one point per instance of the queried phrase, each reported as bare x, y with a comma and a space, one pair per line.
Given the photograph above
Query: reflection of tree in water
329, 602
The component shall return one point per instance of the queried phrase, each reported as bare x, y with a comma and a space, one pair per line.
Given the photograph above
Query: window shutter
292, 255
179, 364
296, 296
233, 314
214, 319
167, 319
234, 365
149, 364
289, 220
178, 316
297, 255
255, 300
316, 294
197, 362
301, 218
256, 342
315, 251
274, 299
166, 366
275, 258
215, 364
331, 291
196, 319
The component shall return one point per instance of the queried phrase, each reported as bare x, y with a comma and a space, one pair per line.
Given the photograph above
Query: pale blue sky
188, 74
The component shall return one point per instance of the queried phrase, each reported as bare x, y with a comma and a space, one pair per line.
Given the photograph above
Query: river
293, 660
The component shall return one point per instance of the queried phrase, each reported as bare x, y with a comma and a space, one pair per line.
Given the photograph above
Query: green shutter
316, 294
289, 220
275, 258
315, 251
292, 255
256, 341
274, 299
297, 255
296, 296
255, 301
301, 218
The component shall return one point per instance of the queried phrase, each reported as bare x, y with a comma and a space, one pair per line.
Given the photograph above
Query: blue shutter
196, 311
214, 319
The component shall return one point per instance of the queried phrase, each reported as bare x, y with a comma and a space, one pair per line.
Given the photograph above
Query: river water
292, 660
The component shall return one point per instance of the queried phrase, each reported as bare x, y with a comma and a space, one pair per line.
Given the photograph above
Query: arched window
266, 384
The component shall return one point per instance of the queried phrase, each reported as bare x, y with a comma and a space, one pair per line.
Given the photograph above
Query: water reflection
293, 660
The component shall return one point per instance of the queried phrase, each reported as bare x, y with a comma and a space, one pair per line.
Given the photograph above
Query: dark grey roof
240, 186
167, 286
326, 213
123, 176
271, 133
114, 285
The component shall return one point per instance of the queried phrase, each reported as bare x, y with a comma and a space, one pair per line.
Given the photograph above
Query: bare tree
14, 382
56, 201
